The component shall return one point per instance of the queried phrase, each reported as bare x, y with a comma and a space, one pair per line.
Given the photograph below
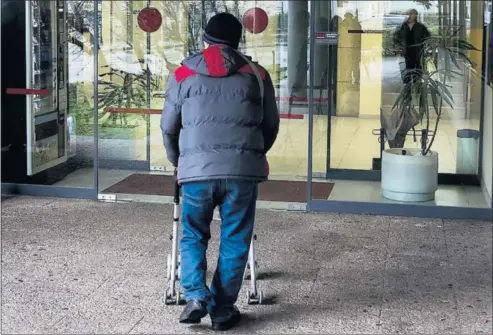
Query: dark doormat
271, 190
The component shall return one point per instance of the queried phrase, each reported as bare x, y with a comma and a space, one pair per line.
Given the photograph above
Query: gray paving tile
418, 286
474, 309
469, 247
419, 294
75, 266
115, 308
350, 287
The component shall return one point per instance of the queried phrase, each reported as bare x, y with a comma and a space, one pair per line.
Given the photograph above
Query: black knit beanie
223, 28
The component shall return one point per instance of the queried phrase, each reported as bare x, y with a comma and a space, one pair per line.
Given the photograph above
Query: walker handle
176, 191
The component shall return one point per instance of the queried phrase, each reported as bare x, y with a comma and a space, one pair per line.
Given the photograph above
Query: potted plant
411, 174
119, 132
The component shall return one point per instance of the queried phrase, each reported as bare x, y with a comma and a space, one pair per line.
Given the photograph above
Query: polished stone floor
344, 190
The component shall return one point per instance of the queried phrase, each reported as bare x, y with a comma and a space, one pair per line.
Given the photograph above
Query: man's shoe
228, 324
193, 312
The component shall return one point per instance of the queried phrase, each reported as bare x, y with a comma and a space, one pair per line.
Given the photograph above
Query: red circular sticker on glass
255, 20
149, 19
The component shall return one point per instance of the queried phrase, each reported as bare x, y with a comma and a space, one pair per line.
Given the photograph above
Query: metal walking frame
254, 295
173, 294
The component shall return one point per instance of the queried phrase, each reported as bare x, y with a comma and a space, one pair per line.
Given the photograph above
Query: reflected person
299, 85
407, 41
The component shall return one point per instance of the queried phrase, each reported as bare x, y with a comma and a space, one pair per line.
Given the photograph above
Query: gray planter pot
411, 177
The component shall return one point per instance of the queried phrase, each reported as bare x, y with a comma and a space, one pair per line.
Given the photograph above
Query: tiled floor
446, 195
353, 146
344, 190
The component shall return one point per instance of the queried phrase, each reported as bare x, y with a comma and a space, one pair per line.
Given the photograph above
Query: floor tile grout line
348, 146
454, 293
81, 302
384, 276
136, 324
315, 280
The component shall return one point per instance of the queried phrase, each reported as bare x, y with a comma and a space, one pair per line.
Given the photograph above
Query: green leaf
434, 98
464, 45
454, 60
456, 32
423, 104
445, 89
445, 94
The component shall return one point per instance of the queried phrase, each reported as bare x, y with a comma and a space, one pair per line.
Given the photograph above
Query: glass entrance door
134, 66
346, 87
355, 77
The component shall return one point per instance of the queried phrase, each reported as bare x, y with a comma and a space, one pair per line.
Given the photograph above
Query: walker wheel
178, 297
168, 298
255, 299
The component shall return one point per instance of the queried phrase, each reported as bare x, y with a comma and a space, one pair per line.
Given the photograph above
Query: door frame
358, 174
396, 209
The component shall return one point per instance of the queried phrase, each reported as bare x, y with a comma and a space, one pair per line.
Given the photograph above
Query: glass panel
457, 154
126, 52
168, 47
285, 59
282, 49
324, 67
122, 87
459, 117
357, 81
367, 65
125, 85
45, 136
368, 76
488, 20
324, 73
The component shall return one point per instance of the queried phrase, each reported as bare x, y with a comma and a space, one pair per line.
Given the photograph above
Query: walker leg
247, 273
254, 296
173, 294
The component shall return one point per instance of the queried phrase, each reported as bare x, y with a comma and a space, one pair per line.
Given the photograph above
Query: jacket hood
215, 61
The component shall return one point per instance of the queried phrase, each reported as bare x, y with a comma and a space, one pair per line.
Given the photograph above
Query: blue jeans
236, 200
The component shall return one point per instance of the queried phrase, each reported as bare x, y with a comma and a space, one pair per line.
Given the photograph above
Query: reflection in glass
41, 131
369, 79
132, 62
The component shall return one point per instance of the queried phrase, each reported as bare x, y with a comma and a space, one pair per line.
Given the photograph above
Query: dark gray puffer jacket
213, 124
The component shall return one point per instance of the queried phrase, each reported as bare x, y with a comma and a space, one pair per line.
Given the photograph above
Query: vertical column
321, 51
348, 65
88, 71
183, 30
298, 18
137, 38
129, 23
440, 17
446, 13
476, 39
370, 79
462, 19
455, 13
